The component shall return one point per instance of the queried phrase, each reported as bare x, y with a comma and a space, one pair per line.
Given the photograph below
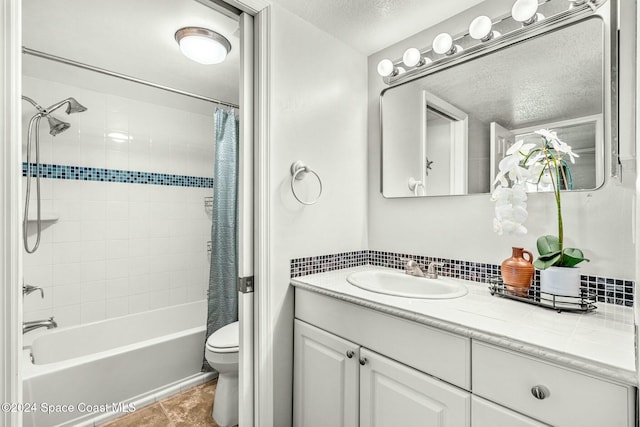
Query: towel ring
298, 172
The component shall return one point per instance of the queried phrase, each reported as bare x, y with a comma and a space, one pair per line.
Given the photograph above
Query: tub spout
35, 324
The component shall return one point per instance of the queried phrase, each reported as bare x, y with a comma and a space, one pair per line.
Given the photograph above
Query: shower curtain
223, 295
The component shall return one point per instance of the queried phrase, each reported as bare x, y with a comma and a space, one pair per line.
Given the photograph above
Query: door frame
10, 183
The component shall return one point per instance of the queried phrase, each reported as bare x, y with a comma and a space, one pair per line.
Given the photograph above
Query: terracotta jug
517, 272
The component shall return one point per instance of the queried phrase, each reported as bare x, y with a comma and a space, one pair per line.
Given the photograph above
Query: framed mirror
445, 133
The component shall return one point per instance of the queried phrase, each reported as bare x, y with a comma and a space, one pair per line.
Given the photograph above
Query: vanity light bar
446, 49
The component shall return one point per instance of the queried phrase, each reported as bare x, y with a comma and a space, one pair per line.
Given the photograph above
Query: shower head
56, 126
73, 106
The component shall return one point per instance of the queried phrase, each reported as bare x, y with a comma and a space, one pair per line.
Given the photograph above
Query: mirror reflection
445, 133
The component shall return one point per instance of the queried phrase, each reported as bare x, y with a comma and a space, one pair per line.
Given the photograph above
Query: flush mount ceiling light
202, 45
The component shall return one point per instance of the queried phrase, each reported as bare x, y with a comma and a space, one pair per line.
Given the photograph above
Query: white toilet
222, 355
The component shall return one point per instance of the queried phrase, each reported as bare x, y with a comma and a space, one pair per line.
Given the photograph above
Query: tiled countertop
599, 342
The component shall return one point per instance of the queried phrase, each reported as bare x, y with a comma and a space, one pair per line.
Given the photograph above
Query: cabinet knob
363, 361
540, 392
350, 353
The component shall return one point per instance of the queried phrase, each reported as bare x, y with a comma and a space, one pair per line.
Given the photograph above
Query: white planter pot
560, 281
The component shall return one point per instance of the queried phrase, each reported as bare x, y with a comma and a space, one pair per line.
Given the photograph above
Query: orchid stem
556, 193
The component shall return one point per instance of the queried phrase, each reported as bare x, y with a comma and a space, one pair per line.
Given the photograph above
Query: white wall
119, 248
317, 115
599, 222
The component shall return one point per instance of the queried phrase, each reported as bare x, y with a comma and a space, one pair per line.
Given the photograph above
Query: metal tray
583, 303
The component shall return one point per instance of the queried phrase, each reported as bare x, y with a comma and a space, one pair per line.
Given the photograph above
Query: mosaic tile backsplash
114, 175
607, 290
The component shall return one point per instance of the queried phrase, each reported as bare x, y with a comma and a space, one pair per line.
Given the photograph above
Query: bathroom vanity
363, 358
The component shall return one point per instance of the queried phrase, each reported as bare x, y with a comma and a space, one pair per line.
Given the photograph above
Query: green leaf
572, 257
548, 244
549, 256
543, 264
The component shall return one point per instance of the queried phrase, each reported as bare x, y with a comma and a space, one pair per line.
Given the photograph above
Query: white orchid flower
510, 166
519, 169
514, 213
504, 195
547, 134
520, 147
508, 227
566, 149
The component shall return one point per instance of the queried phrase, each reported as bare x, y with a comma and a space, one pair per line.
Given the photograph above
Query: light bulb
574, 3
480, 28
412, 57
443, 45
525, 11
385, 67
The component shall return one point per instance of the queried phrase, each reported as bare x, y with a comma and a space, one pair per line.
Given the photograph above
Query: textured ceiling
131, 37
136, 37
371, 25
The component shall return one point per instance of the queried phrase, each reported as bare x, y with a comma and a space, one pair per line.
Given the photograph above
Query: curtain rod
39, 54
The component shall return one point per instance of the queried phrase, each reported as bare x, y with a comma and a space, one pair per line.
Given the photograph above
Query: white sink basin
403, 285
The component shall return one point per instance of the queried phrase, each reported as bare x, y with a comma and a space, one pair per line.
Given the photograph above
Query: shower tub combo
74, 375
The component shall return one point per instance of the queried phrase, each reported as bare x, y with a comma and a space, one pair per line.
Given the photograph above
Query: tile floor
191, 408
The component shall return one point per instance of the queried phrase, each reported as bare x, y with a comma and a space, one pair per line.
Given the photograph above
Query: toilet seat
225, 339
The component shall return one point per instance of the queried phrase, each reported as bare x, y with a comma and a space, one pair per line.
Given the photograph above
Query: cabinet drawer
487, 414
570, 398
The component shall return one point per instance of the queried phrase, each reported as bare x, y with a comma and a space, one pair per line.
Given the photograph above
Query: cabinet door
325, 379
392, 394
487, 414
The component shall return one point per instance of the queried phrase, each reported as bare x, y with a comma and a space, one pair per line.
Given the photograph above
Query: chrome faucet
35, 324
413, 269
28, 289
431, 270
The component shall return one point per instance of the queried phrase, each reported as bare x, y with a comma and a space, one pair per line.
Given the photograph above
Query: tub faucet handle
28, 289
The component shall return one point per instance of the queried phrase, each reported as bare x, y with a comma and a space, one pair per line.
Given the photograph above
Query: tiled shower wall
119, 247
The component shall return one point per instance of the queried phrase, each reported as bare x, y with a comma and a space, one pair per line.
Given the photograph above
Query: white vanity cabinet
356, 365
338, 383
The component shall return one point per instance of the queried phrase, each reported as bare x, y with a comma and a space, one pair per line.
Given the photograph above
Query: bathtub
82, 372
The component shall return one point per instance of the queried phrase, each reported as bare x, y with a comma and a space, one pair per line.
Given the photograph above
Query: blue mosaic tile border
607, 290
81, 173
